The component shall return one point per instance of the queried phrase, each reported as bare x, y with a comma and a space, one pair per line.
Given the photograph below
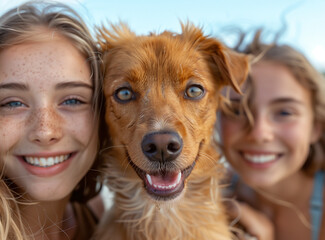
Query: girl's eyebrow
73, 84
14, 86
286, 100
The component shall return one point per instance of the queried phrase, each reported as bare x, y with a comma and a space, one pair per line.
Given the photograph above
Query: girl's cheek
81, 125
11, 130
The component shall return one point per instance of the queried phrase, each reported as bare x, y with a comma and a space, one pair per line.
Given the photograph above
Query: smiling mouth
260, 158
164, 184
46, 161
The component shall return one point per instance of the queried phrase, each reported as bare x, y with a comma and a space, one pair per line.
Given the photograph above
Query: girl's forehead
272, 81
267, 82
273, 77
46, 61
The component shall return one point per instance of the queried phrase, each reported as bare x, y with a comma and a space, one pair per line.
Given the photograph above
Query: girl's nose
46, 127
261, 130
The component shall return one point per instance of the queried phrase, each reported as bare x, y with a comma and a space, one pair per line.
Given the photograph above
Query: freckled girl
49, 118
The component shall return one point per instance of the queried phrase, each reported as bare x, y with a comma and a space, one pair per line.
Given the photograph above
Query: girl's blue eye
13, 104
236, 109
72, 101
284, 113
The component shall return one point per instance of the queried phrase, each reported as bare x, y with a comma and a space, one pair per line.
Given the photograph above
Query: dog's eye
194, 92
124, 94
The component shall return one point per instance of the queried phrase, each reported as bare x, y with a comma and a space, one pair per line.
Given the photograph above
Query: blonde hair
20, 25
304, 73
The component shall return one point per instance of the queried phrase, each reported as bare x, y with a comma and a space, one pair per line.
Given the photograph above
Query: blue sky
304, 18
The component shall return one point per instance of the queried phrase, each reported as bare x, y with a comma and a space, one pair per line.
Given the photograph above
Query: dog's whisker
111, 147
210, 159
127, 164
131, 124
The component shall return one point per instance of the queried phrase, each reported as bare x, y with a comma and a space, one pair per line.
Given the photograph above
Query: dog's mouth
163, 184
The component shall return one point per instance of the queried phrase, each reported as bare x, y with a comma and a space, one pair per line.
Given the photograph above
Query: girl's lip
258, 152
46, 171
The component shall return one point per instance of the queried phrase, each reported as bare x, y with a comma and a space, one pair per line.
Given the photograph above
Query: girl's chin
259, 182
48, 198
48, 194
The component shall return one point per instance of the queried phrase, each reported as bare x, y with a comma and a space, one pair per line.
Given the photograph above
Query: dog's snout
162, 146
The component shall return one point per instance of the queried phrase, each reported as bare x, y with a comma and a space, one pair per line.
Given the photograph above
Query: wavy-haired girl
273, 137
49, 118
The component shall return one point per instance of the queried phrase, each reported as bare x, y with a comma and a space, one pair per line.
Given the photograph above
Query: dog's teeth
179, 176
162, 186
149, 178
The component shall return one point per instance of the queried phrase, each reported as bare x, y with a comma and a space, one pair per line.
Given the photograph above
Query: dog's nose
162, 146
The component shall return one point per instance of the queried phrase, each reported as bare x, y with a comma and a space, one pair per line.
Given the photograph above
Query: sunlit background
304, 19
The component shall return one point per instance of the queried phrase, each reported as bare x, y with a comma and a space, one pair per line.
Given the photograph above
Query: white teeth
43, 162
178, 180
149, 179
179, 176
46, 162
260, 158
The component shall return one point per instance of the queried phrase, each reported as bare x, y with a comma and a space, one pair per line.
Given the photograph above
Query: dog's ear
226, 65
107, 38
232, 67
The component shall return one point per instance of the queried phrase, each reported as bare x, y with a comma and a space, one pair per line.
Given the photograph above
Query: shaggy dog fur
162, 93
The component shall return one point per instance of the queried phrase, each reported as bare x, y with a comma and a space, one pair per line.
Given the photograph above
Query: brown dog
162, 94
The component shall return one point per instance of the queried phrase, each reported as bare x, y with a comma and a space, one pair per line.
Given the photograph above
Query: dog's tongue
165, 179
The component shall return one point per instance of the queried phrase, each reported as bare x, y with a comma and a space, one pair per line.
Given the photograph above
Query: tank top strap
316, 204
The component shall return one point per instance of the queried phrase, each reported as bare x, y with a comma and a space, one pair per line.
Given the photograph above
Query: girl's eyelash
73, 101
284, 112
12, 104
